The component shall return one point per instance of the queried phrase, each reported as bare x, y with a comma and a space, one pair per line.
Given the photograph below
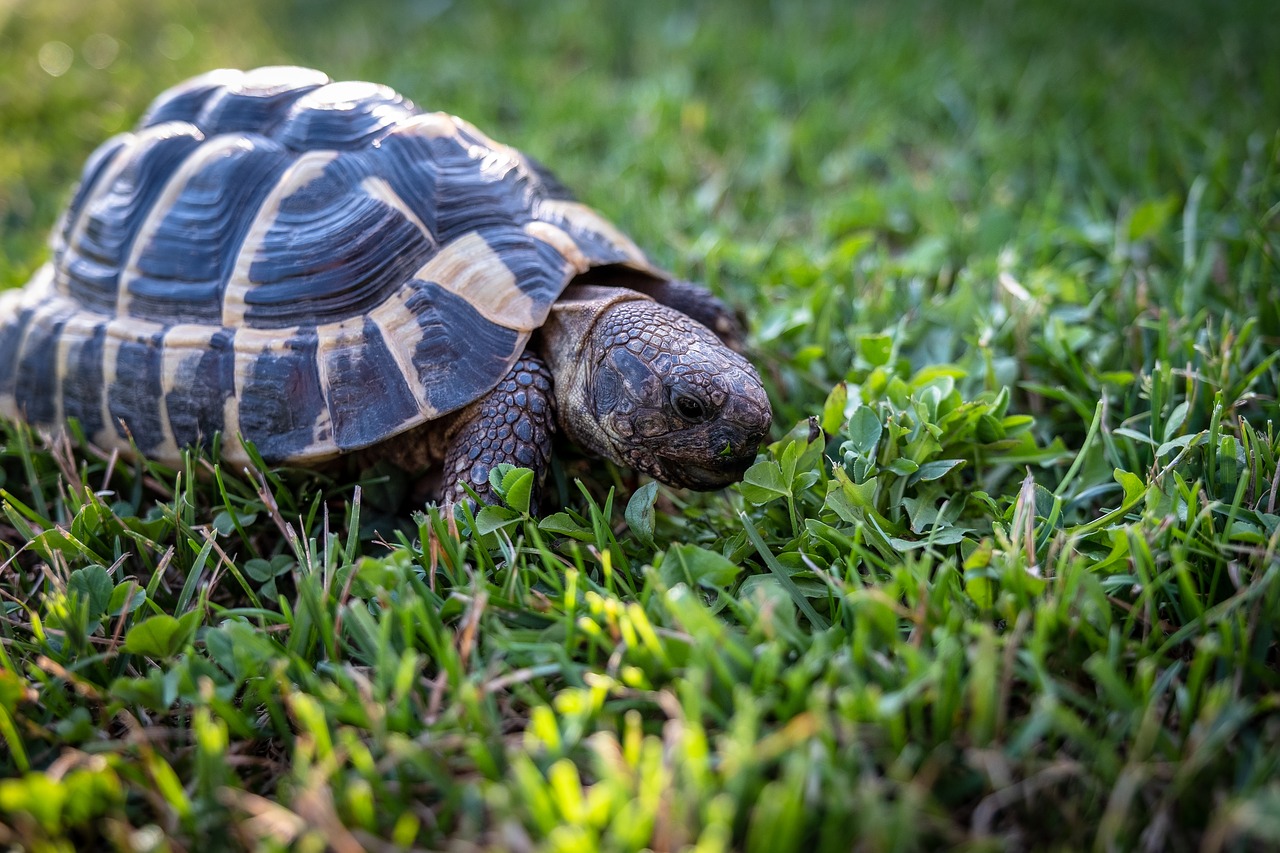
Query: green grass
1016, 586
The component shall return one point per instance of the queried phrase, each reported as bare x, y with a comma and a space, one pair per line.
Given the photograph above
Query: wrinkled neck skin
647, 387
569, 350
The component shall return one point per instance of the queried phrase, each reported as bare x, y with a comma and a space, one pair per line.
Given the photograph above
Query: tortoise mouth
705, 478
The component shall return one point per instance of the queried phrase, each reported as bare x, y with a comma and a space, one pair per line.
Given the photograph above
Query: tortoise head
647, 387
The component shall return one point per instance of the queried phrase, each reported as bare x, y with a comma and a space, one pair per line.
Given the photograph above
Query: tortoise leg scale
512, 423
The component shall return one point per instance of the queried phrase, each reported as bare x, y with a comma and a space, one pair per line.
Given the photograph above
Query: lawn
1006, 577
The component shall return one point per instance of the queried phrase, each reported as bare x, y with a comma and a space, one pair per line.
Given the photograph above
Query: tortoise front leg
512, 423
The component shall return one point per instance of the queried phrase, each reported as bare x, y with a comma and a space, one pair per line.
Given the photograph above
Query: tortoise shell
313, 266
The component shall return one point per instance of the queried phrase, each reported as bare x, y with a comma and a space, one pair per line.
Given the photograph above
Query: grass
1006, 578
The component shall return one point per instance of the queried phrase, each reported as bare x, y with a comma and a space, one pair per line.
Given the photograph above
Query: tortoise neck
567, 342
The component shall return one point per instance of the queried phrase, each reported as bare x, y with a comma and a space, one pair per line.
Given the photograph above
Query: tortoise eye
691, 408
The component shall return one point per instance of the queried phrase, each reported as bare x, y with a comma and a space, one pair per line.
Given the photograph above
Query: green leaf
1123, 378
978, 583
159, 636
980, 588
1134, 487
781, 573
876, 349
846, 498
764, 482
807, 355
865, 430
1183, 441
833, 409
57, 540
77, 726
640, 515
935, 470
259, 569
496, 475
92, 587
944, 536
903, 467
1134, 435
564, 524
491, 518
148, 691
13, 689
1176, 419
1151, 217
517, 489
126, 597
240, 649
36, 794
697, 566
84, 525
989, 429
225, 521
268, 591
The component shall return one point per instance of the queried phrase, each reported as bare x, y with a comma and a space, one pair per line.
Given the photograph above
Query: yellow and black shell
314, 266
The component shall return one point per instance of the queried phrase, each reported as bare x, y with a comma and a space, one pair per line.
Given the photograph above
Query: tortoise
328, 272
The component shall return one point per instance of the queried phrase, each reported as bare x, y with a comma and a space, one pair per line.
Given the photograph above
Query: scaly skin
623, 376
647, 387
512, 423
692, 300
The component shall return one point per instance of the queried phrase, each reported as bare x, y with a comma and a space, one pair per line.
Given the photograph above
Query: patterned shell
315, 266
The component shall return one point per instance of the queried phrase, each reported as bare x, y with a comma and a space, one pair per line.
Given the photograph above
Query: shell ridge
334, 249
183, 277
94, 168
258, 101
184, 101
346, 115
107, 226
301, 171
